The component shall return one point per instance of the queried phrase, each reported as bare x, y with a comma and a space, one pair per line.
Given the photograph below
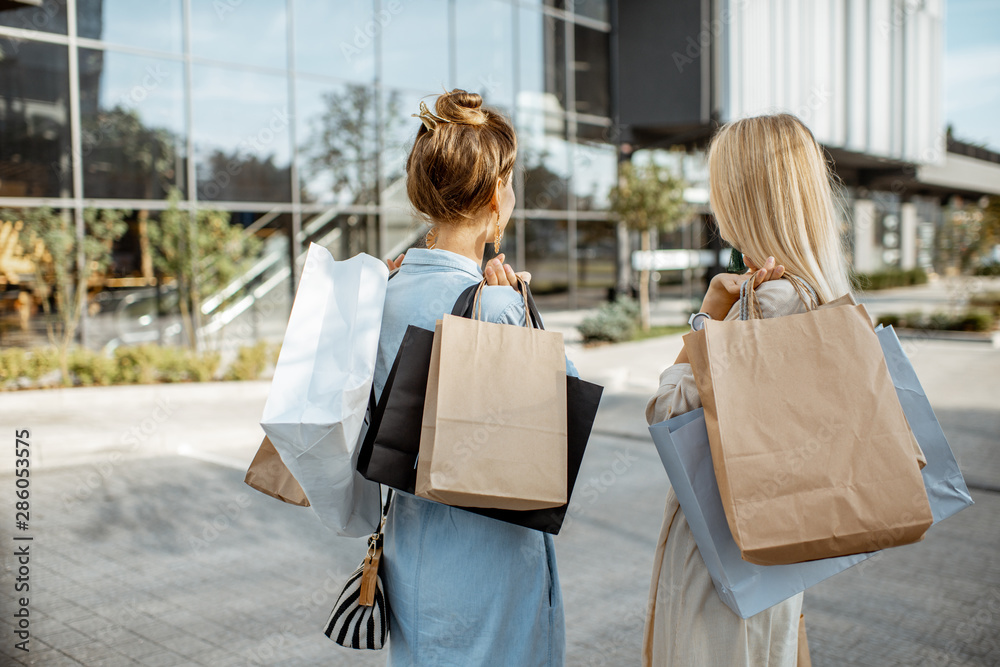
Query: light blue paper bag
748, 589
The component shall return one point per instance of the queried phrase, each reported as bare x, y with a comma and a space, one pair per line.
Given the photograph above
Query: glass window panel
335, 131
544, 154
595, 171
251, 32
34, 120
338, 38
591, 48
546, 251
596, 250
415, 47
484, 42
129, 22
593, 9
132, 117
542, 62
398, 131
241, 136
49, 16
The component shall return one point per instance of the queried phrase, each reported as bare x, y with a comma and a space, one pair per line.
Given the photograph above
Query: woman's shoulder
776, 298
780, 297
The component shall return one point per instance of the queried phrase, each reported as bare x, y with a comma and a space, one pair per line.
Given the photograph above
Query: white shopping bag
316, 406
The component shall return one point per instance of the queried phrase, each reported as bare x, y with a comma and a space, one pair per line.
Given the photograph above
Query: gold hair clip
430, 120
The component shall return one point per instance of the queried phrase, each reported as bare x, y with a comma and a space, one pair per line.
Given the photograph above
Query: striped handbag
360, 618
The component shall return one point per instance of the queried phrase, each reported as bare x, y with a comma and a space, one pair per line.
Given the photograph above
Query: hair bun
463, 107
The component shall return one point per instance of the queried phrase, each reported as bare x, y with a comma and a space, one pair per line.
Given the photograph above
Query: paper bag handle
750, 304
522, 287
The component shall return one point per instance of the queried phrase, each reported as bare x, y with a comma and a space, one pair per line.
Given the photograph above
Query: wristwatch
697, 321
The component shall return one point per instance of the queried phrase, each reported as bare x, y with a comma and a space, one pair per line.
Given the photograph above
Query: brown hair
460, 152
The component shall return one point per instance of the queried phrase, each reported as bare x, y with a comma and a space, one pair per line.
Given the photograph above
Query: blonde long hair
771, 191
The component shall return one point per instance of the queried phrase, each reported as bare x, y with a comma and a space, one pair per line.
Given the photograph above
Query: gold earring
497, 236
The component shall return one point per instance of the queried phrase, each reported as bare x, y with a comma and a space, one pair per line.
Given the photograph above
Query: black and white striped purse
360, 618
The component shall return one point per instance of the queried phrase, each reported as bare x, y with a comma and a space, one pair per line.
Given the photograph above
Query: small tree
56, 273
646, 198
203, 253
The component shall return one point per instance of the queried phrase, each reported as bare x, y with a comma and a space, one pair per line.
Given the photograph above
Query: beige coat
687, 624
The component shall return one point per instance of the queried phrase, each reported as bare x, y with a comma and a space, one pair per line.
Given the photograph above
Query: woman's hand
724, 290
396, 263
498, 273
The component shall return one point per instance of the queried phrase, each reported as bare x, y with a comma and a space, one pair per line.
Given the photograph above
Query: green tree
648, 198
149, 162
203, 252
57, 275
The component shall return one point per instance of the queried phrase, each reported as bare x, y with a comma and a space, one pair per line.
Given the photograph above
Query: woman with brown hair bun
462, 589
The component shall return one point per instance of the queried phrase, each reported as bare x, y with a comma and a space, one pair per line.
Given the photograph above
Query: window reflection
415, 46
252, 32
544, 154
596, 251
150, 24
132, 121
595, 170
546, 250
591, 70
338, 38
483, 42
241, 135
34, 120
593, 9
335, 129
49, 16
542, 54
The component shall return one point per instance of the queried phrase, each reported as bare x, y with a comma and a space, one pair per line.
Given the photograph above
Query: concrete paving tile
51, 659
164, 659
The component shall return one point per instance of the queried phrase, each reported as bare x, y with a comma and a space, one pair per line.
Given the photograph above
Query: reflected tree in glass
343, 142
144, 164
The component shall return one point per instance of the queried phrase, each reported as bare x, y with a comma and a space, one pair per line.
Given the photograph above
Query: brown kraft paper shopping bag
811, 449
493, 433
268, 474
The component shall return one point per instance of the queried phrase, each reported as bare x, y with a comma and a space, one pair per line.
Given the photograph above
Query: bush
988, 270
41, 362
971, 320
986, 300
91, 368
614, 322
203, 367
137, 365
868, 282
13, 364
250, 362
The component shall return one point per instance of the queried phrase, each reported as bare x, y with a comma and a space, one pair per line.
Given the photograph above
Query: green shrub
971, 320
614, 322
203, 367
41, 362
91, 368
868, 282
137, 365
988, 270
172, 364
987, 300
250, 362
13, 364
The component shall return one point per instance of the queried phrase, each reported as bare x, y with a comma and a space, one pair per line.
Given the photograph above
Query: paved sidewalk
149, 550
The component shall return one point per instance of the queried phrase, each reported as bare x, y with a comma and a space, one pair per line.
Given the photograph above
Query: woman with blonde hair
462, 589
771, 192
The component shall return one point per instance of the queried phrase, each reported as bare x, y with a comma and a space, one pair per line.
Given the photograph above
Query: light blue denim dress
463, 589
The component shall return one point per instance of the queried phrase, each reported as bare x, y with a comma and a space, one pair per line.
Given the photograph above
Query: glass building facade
295, 117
